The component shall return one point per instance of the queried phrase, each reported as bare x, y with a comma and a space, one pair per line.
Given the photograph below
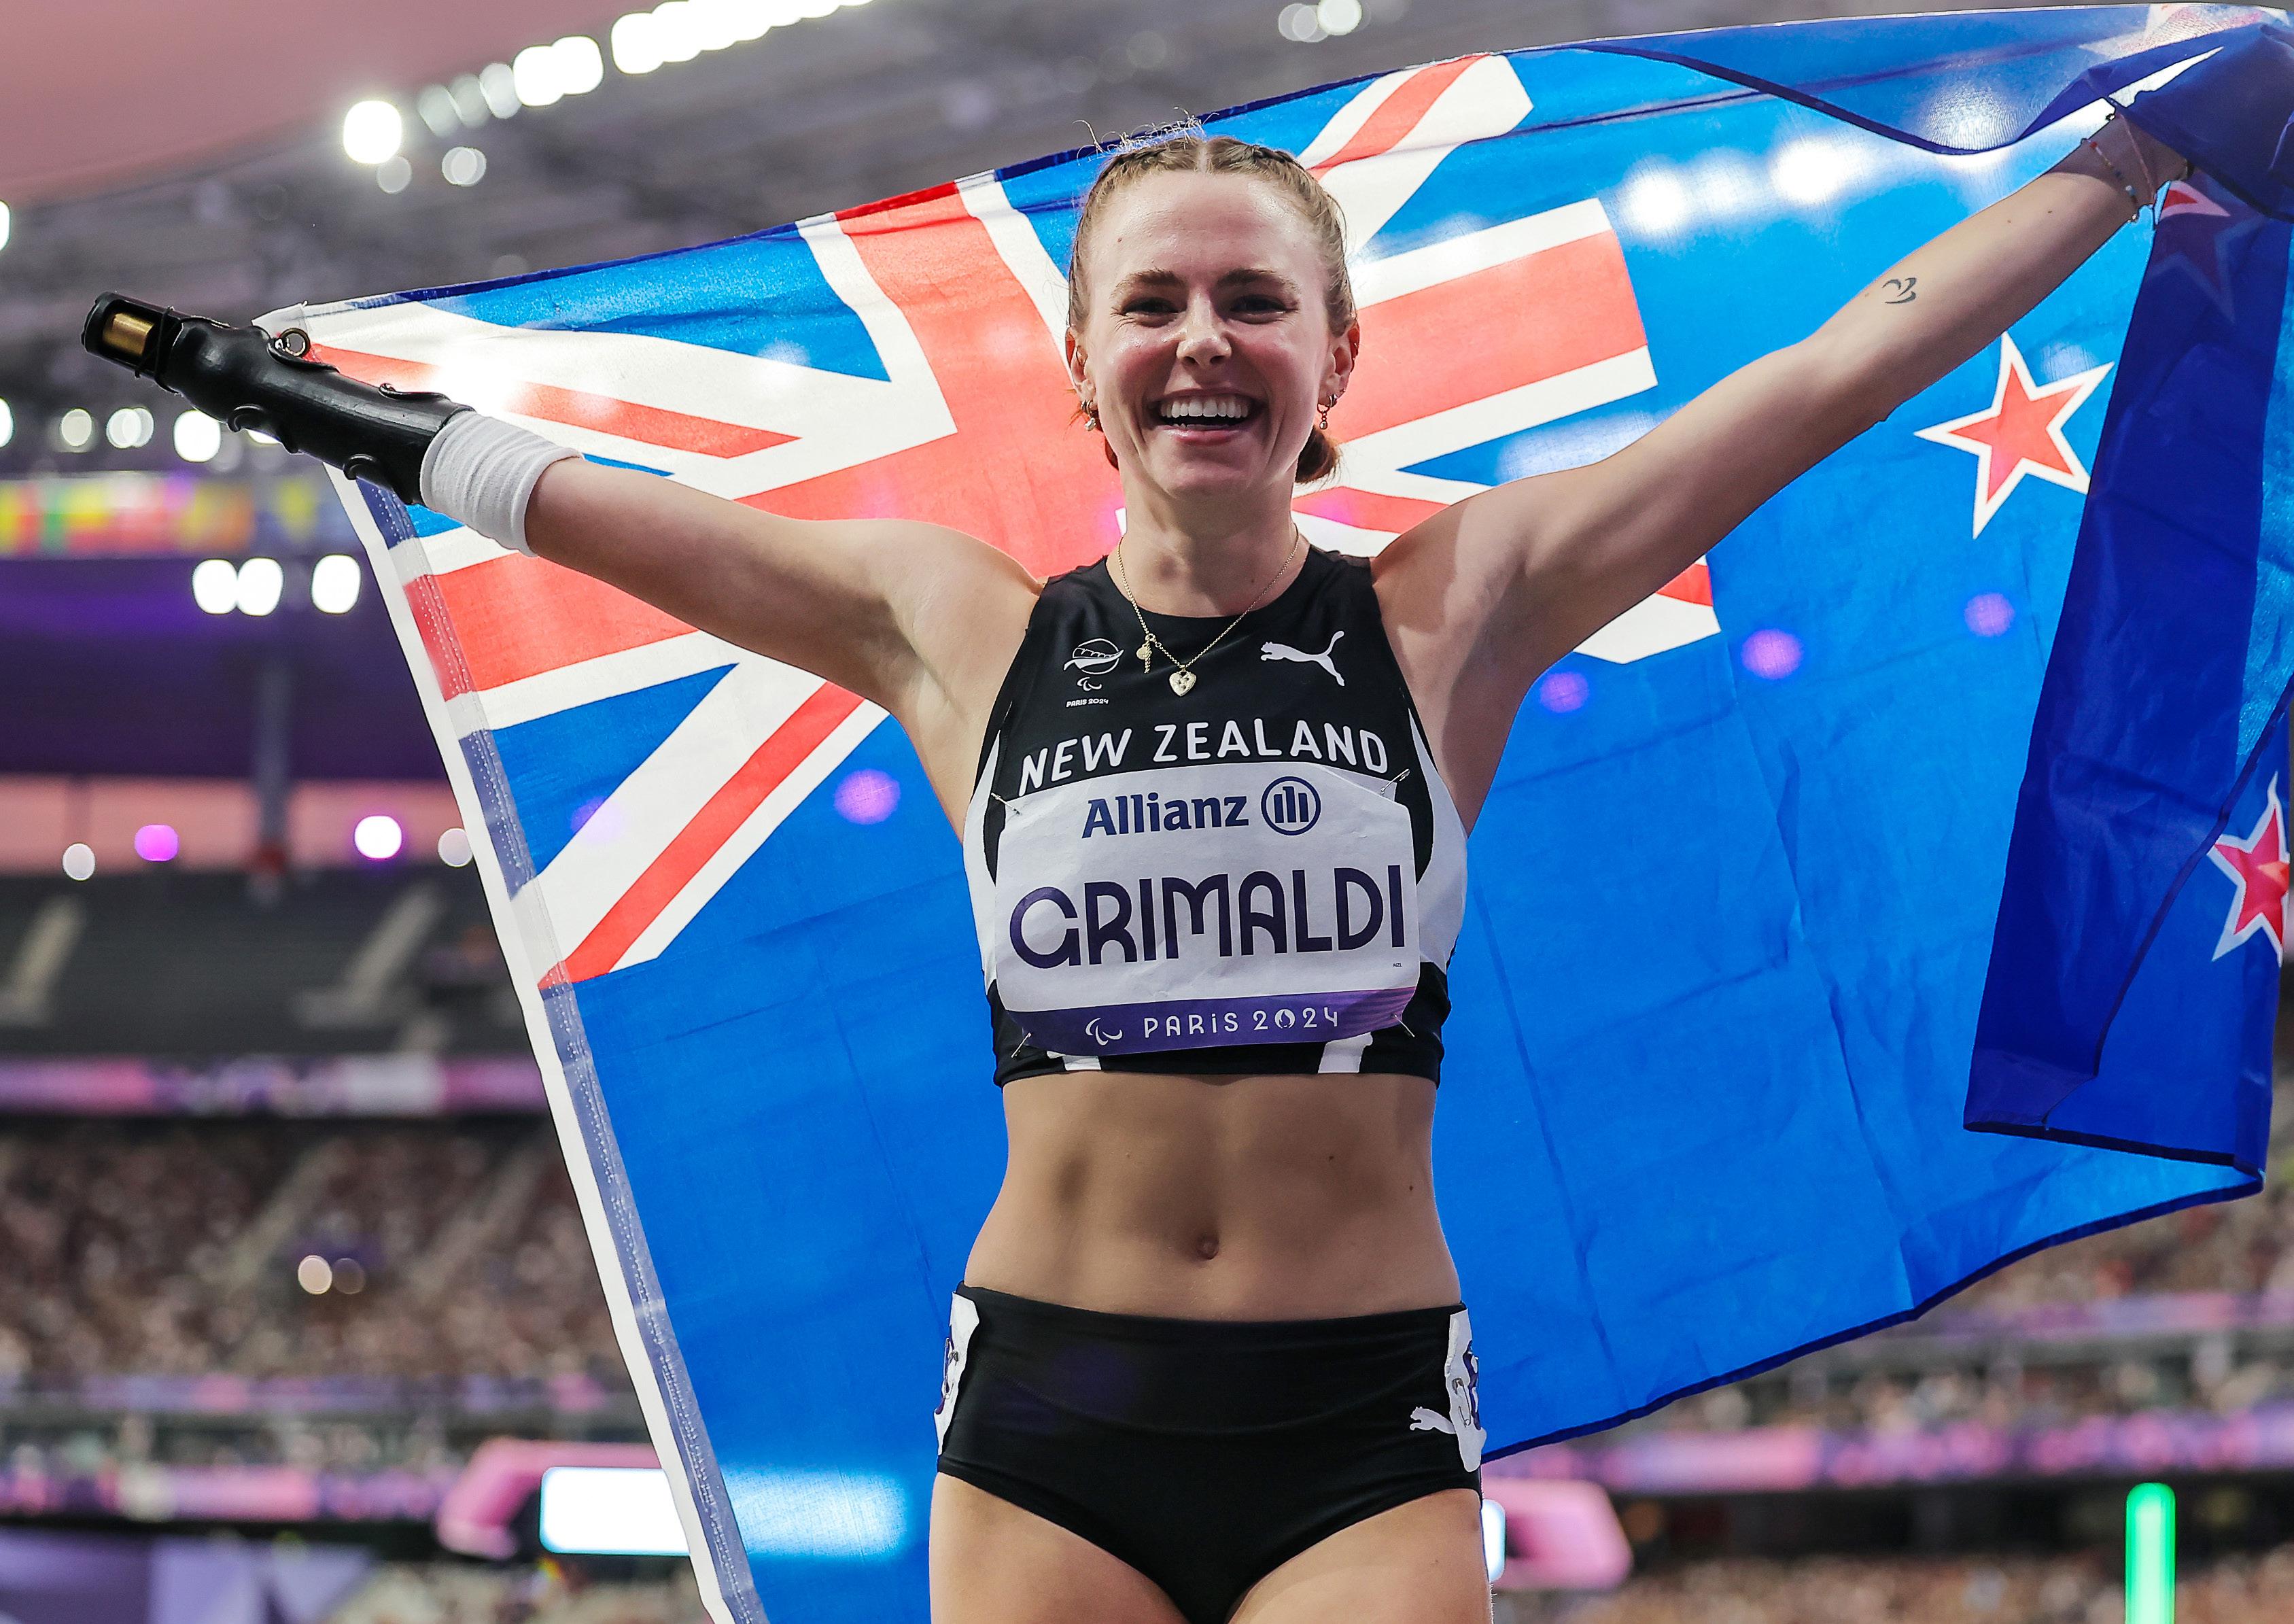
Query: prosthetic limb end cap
127, 332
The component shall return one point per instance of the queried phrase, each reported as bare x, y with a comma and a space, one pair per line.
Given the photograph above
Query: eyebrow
1157, 277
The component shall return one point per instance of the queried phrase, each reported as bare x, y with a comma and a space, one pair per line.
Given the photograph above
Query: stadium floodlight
1301, 22
214, 586
470, 99
198, 437
1494, 1531
79, 861
158, 843
372, 131
674, 33
581, 65
7, 423
334, 583
635, 43
716, 23
130, 428
75, 429
498, 85
1339, 16
378, 837
437, 108
534, 73
569, 67
4, 225
454, 848
463, 166
260, 583
2151, 1554
314, 1274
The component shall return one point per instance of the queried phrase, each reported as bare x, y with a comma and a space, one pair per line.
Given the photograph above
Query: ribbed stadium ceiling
871, 100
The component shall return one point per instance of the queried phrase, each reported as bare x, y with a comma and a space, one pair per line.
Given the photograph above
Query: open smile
1205, 416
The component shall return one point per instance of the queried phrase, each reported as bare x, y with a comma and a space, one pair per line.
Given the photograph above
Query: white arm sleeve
480, 472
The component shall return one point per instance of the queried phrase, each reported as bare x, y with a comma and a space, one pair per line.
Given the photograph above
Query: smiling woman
1150, 291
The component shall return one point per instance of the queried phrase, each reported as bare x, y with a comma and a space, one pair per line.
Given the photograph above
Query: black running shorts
1206, 1453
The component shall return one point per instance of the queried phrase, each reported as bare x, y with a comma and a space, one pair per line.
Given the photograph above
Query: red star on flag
2197, 231
2257, 867
2021, 432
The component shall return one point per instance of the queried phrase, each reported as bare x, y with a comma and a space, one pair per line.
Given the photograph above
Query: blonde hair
1189, 151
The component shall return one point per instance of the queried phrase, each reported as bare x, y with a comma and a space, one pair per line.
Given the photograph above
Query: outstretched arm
1486, 594
919, 618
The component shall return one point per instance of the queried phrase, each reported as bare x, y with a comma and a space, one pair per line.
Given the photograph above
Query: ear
1077, 361
1340, 371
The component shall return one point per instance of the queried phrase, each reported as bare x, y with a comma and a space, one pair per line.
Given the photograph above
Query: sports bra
1263, 873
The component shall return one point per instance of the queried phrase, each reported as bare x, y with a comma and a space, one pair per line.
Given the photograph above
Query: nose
1202, 335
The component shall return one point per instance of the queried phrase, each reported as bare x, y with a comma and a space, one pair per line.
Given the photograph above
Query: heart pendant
1182, 680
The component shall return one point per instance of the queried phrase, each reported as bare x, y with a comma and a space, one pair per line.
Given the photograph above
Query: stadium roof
105, 92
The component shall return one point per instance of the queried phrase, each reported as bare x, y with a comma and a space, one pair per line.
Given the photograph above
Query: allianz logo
1289, 805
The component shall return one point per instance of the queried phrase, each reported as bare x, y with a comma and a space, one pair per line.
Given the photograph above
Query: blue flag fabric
1949, 790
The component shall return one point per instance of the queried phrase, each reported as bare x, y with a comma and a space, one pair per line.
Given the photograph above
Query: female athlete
1209, 1360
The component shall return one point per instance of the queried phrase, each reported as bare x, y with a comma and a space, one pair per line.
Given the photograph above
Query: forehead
1191, 221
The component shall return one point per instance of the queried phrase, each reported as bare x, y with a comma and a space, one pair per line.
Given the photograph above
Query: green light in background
2151, 1554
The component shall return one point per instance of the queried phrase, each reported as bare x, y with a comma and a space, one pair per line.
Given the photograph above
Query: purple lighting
609, 827
1563, 692
1989, 614
868, 797
1771, 654
156, 842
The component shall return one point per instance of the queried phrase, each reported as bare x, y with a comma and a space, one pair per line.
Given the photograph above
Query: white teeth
1212, 408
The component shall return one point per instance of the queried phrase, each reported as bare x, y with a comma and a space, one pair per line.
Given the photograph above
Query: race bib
1213, 903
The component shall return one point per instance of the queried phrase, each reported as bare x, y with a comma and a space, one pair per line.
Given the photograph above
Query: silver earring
1324, 423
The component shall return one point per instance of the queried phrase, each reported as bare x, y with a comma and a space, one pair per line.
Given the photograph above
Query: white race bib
1209, 903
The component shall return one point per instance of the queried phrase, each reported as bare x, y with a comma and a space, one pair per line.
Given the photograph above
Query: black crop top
1262, 874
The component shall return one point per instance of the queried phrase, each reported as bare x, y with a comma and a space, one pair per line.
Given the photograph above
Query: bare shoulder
1452, 592
962, 603
961, 606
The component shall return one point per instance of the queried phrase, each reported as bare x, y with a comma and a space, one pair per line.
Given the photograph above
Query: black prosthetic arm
247, 380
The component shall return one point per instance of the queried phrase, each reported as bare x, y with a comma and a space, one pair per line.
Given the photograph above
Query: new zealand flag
1950, 792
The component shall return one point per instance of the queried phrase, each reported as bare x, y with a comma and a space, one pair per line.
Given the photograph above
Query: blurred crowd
2244, 1246
186, 1248
453, 1593
420, 1250
2083, 1588
2076, 1590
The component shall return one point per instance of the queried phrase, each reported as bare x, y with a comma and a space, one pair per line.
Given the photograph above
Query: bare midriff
1274, 1197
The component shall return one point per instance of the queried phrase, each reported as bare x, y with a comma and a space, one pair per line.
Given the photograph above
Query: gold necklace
1183, 677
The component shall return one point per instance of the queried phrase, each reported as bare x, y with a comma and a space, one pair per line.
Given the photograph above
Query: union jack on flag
962, 304
1755, 917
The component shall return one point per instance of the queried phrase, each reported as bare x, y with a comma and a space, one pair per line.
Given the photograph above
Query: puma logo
1284, 651
1424, 1420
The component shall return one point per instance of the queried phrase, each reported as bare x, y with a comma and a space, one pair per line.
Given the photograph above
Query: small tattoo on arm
1900, 287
